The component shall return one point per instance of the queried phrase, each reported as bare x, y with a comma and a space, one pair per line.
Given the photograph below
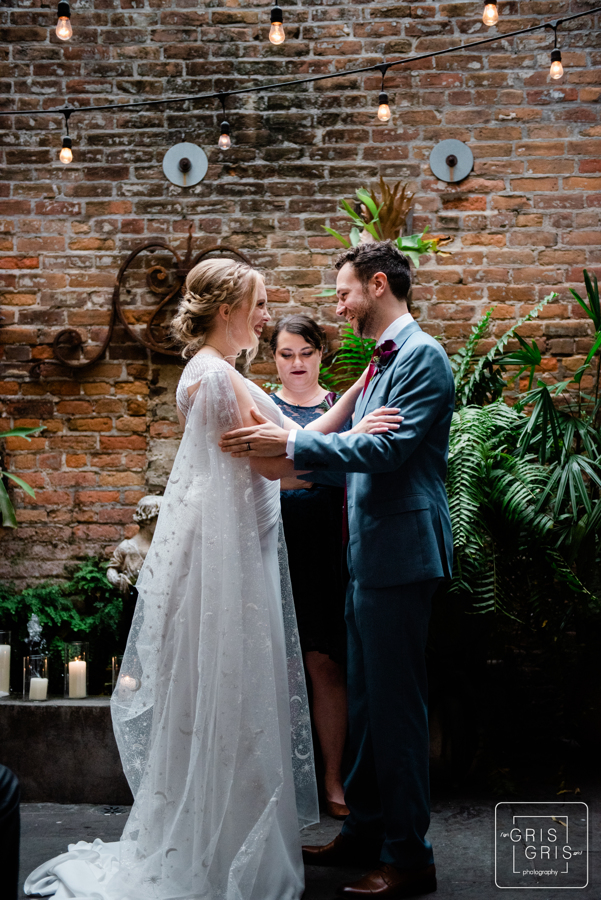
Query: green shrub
86, 608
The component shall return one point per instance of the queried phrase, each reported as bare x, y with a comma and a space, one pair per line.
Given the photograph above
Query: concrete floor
462, 834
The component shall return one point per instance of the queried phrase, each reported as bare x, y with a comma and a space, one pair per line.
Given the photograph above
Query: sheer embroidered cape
197, 711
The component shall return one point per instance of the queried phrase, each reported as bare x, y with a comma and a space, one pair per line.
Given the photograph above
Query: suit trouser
388, 790
9, 833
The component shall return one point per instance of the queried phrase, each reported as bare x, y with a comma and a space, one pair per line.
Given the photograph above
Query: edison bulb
63, 28
224, 142
384, 114
491, 14
66, 156
276, 33
556, 69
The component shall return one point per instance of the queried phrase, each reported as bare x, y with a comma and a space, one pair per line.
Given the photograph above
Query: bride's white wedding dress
210, 711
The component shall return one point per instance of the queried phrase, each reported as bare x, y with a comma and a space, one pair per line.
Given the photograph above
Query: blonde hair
208, 285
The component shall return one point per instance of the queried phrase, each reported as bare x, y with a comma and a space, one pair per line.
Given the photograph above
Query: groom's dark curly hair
379, 256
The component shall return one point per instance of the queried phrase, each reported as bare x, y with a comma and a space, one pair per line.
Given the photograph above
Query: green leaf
21, 432
7, 510
365, 198
327, 292
23, 484
348, 209
369, 227
336, 235
355, 236
593, 349
413, 256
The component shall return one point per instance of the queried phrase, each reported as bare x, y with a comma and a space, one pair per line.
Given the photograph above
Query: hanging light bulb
66, 156
491, 13
224, 142
276, 32
384, 114
556, 70
63, 26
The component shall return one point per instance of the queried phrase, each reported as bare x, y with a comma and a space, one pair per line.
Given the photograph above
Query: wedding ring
248, 445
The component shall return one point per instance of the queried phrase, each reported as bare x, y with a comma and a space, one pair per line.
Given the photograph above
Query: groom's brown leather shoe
391, 883
341, 851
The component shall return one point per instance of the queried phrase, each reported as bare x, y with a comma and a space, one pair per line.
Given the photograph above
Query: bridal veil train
210, 712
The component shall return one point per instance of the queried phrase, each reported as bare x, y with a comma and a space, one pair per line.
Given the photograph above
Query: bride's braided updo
210, 284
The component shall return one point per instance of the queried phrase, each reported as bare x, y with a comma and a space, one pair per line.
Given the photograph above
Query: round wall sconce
185, 164
451, 161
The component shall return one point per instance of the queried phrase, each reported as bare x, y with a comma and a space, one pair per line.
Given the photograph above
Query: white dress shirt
387, 335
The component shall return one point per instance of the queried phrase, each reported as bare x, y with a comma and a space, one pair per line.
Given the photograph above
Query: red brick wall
524, 223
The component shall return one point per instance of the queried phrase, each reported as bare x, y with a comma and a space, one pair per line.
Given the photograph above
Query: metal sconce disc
185, 164
451, 161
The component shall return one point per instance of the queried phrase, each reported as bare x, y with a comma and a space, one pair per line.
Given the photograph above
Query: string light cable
278, 86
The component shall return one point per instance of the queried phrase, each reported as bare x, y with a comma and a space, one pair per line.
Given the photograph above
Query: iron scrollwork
161, 281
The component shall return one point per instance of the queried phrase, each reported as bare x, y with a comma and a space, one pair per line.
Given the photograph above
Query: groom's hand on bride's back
264, 439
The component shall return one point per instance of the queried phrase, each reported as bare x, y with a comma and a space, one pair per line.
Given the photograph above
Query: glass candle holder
76, 670
116, 662
35, 678
4, 663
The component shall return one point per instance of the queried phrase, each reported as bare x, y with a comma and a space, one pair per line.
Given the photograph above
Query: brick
100, 424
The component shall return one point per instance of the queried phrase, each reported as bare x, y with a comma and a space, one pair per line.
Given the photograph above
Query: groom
400, 550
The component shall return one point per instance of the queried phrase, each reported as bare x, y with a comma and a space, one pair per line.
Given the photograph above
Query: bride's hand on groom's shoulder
378, 422
264, 439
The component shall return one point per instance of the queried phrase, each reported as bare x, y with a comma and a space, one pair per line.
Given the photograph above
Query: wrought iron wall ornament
160, 280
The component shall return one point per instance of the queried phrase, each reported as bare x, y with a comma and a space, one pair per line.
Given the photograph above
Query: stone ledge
63, 751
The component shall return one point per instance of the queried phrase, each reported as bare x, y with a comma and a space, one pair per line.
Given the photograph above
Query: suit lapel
399, 339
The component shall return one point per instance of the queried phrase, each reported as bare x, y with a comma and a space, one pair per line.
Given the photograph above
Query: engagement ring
248, 445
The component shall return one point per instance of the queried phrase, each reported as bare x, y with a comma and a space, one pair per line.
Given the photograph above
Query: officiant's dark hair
379, 256
302, 325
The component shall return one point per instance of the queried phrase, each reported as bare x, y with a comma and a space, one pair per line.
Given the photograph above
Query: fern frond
469, 388
461, 361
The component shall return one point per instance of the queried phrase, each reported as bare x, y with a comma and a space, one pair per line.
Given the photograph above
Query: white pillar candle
38, 688
77, 679
4, 669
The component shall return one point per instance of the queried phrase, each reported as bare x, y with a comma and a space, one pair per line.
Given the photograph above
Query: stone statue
126, 561
35, 640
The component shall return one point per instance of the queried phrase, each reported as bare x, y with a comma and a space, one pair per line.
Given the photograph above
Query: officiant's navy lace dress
313, 529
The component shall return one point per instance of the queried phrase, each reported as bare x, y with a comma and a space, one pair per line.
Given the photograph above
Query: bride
210, 711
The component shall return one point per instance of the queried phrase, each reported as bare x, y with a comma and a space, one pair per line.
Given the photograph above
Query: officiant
312, 516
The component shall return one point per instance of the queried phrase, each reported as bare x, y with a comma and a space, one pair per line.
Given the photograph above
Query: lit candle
126, 686
38, 688
77, 679
4, 669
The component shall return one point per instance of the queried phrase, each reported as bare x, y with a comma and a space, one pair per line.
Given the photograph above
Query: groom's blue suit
400, 547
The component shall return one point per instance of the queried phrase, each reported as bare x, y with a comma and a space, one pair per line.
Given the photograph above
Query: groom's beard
365, 317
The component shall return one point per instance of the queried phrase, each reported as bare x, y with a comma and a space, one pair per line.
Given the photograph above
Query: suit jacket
399, 523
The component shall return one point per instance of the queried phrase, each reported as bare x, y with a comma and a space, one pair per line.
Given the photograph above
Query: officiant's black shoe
342, 851
390, 883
